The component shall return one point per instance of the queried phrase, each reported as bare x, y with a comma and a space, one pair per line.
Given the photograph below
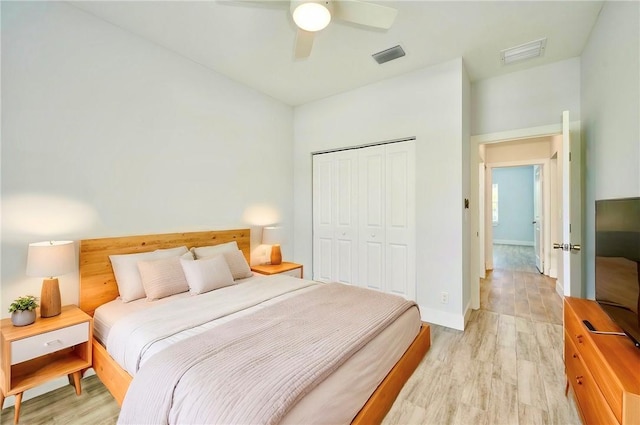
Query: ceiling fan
311, 16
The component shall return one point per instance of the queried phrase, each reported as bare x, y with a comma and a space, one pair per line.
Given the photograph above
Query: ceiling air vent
533, 49
389, 54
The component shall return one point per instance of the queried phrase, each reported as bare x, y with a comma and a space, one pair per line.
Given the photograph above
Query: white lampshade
272, 235
50, 259
311, 16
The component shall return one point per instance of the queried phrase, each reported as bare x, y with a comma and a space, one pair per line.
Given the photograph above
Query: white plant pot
23, 318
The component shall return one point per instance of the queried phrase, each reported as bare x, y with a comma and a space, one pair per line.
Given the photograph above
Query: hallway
515, 258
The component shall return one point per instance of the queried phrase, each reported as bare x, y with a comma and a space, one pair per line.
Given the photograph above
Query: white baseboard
559, 288
49, 386
511, 242
442, 318
467, 313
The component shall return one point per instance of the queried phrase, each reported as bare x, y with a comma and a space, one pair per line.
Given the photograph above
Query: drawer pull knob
579, 380
575, 356
54, 342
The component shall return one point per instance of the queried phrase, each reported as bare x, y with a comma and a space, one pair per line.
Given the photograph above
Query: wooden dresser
602, 370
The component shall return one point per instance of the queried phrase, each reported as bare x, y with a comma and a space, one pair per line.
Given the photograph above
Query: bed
376, 394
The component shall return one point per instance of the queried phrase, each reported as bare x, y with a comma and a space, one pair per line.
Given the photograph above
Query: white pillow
210, 251
162, 278
206, 274
237, 264
125, 269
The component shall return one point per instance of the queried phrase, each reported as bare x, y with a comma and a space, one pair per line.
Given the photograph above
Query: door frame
474, 161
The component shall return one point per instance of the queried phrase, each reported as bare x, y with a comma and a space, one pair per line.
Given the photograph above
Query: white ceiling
253, 43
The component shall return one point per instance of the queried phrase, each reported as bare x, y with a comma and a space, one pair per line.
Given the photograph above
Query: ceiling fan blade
363, 13
255, 3
304, 43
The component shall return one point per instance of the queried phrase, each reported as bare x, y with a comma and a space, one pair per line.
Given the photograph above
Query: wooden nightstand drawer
49, 348
48, 342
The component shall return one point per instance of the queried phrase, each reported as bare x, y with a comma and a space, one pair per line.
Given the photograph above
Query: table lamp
272, 235
48, 260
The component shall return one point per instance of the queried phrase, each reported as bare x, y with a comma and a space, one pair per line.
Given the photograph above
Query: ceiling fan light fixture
312, 16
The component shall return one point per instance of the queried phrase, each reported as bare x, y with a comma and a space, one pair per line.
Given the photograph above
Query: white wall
106, 134
515, 205
467, 302
529, 98
426, 104
610, 109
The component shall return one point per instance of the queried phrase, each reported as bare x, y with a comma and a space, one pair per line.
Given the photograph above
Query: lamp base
276, 255
50, 304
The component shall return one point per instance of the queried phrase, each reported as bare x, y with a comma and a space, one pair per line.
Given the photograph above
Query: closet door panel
372, 270
323, 263
323, 217
372, 188
397, 269
371, 235
400, 224
346, 217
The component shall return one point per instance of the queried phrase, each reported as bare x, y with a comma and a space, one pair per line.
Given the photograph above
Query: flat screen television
618, 262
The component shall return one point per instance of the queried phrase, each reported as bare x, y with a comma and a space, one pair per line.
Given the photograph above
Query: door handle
566, 246
533, 222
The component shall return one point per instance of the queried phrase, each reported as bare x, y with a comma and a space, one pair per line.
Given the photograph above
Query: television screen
618, 262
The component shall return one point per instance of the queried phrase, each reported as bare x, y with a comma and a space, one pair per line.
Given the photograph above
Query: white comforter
256, 368
129, 340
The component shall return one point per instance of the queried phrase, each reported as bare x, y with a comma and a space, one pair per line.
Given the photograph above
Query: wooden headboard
97, 282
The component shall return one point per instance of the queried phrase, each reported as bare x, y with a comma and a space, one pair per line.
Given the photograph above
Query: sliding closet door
335, 217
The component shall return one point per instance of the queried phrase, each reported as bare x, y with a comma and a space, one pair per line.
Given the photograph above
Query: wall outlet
444, 297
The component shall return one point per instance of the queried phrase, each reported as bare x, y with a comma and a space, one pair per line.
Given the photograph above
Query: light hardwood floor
514, 257
505, 368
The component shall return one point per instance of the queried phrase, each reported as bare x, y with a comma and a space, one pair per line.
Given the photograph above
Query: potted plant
23, 310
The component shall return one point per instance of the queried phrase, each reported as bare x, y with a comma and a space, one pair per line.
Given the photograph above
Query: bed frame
98, 286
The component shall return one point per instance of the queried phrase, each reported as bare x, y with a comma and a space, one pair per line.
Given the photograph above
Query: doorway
563, 165
516, 222
522, 228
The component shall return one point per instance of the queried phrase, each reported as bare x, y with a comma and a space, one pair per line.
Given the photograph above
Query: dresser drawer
592, 404
48, 342
295, 273
583, 341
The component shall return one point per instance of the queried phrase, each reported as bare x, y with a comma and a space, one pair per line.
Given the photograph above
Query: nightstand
290, 269
47, 349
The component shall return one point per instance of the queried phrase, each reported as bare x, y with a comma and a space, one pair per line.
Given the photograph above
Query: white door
346, 218
335, 217
537, 217
570, 255
323, 217
371, 193
400, 232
